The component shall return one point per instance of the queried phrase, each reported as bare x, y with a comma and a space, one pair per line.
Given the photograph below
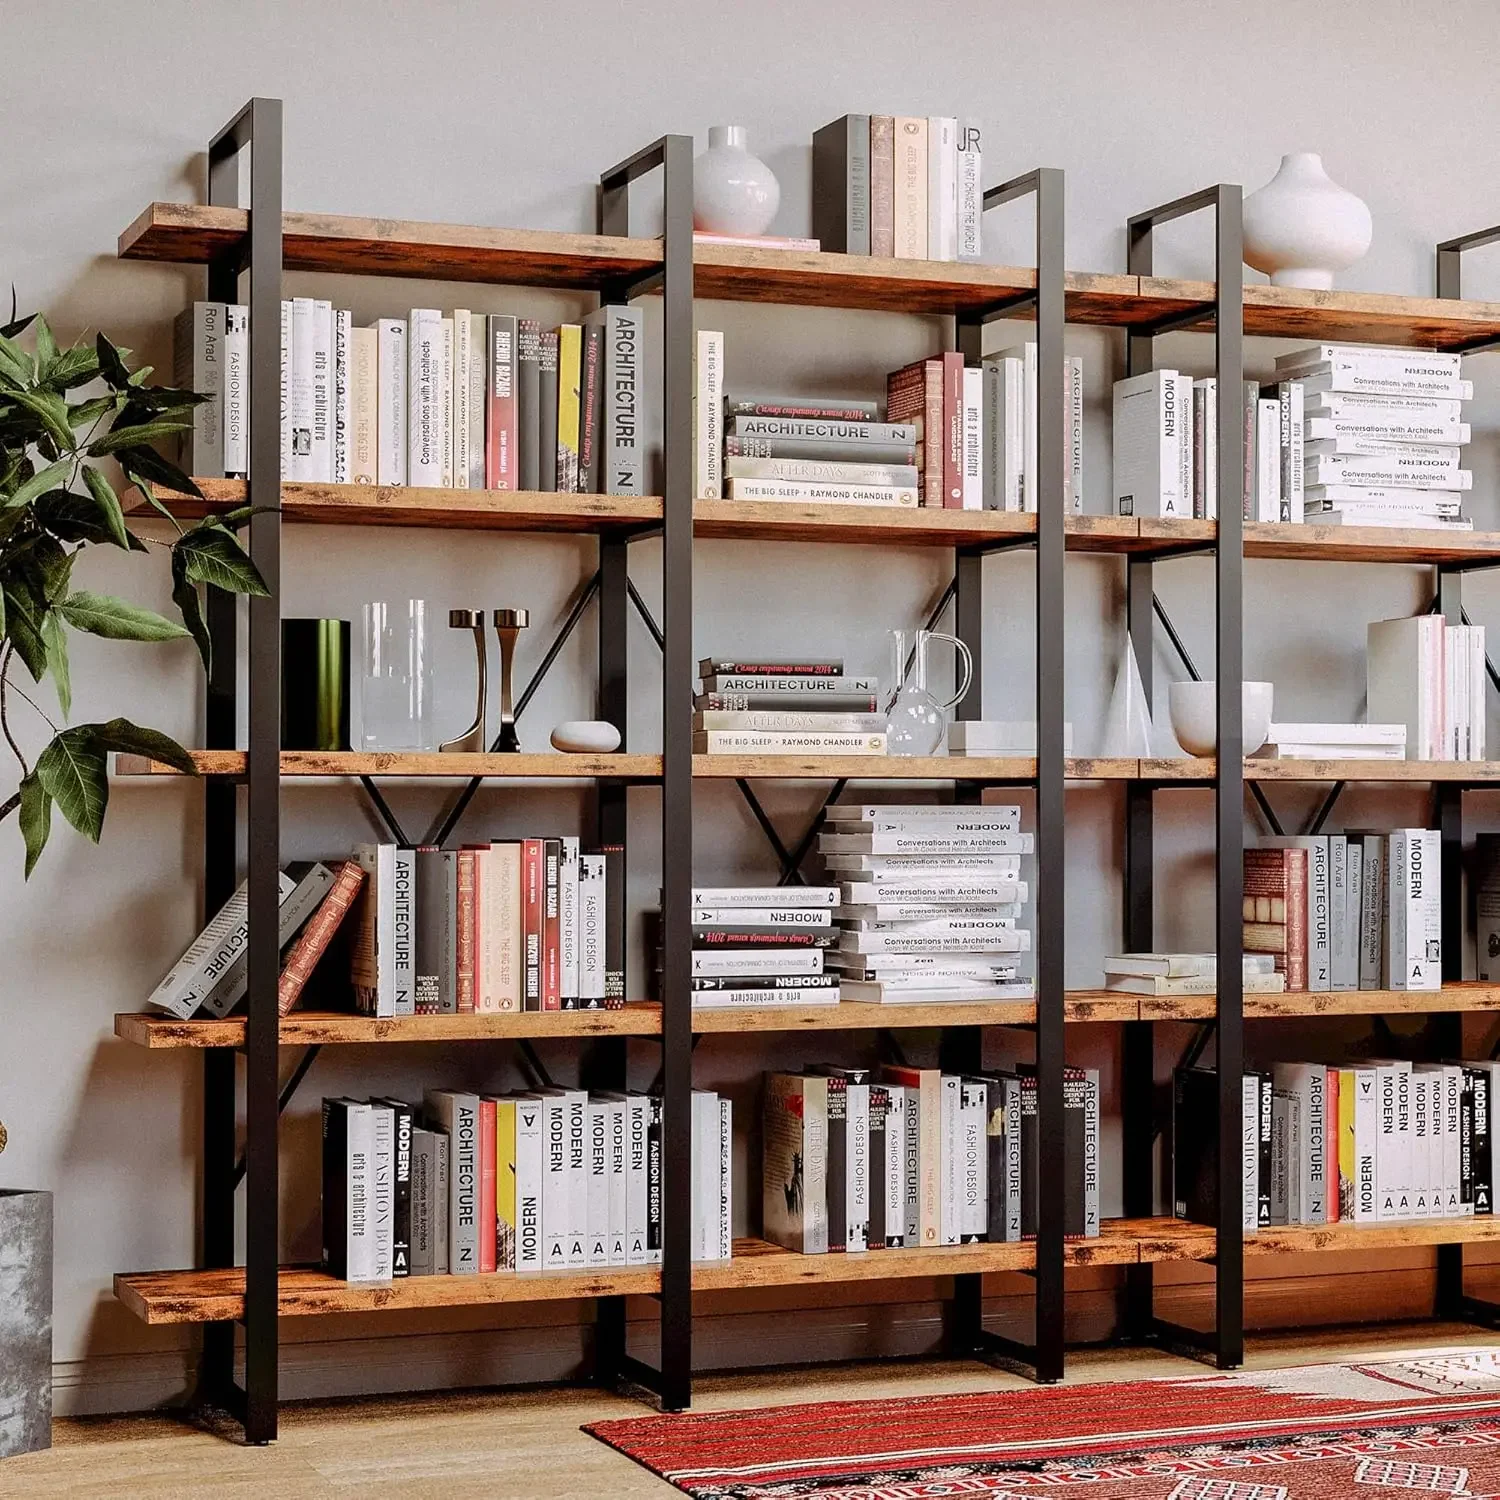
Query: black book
841, 185
761, 937
653, 1176
879, 1171
1466, 1142
547, 412
838, 1162
705, 982
401, 1226
1030, 1158
1195, 1144
429, 931
614, 923
336, 1187
1483, 1141
996, 1154
528, 404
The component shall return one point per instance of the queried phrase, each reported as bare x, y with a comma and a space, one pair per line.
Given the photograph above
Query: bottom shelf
216, 1296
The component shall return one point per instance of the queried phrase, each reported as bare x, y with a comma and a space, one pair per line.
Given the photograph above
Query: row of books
900, 186
915, 1158
1359, 1142
954, 436
458, 401
1349, 911
931, 901
1350, 435
1186, 974
786, 707
1429, 677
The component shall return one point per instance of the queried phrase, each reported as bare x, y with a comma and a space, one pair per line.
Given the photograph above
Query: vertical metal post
1229, 790
968, 612
258, 128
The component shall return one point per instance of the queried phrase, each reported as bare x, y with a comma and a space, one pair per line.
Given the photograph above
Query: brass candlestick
509, 623
472, 739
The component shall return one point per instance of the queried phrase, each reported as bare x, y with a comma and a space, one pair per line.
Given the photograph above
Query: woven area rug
1351, 1430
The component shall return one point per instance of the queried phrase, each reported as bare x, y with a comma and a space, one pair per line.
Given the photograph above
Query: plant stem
5, 684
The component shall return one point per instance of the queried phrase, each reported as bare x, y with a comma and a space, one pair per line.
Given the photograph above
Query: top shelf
187, 233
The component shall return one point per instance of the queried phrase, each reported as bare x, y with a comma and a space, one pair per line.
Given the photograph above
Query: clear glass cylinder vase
396, 707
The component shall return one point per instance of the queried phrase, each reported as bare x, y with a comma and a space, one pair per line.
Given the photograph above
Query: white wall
525, 105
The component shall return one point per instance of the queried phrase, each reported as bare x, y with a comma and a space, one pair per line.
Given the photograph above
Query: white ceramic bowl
1194, 708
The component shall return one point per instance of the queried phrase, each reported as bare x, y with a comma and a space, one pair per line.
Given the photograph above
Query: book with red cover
1275, 908
953, 431
914, 393
501, 418
552, 925
487, 1223
302, 958
533, 920
467, 930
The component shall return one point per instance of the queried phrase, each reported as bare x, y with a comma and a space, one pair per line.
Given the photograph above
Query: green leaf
146, 464
86, 413
73, 518
111, 366
49, 478
36, 819
24, 615
52, 411
133, 437
72, 772
75, 366
115, 619
125, 738
46, 346
158, 398
55, 639
213, 556
47, 566
16, 362
185, 597
109, 504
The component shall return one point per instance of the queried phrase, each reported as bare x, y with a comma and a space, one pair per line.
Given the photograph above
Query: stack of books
457, 401
786, 708
998, 737
1430, 677
915, 1157
552, 1180
1384, 438
1286, 741
899, 186
931, 902
1354, 1142
1352, 911
1186, 974
762, 945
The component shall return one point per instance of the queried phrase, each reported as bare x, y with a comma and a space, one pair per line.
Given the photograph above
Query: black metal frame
1225, 1344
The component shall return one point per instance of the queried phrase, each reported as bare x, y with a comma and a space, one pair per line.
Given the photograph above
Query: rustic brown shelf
1176, 1239
1466, 996
549, 766
1308, 542
1201, 769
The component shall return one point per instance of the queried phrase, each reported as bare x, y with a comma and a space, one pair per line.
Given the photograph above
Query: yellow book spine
569, 375
1348, 1176
506, 1226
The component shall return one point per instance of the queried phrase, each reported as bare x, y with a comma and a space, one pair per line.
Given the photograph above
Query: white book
382, 1190
360, 1252
890, 915
893, 1176
767, 917
364, 405
970, 192
1455, 686
198, 365
479, 369
617, 1216
1367, 1133
905, 817
442, 1177
705, 1174
391, 364
978, 820
457, 1114
556, 1188
1004, 433
1319, 905
343, 396
1206, 448
1435, 455
1293, 434
857, 1164
779, 896
725, 1245
950, 1172
1390, 1182
955, 890
1392, 470
445, 400
931, 844
1454, 1205
1392, 411
816, 492
1343, 942
725, 996
636, 1253
708, 415
288, 358
301, 463
917, 970
942, 188
1267, 461
1415, 914
1026, 353
530, 1184
1349, 515
322, 392
1073, 466
1309, 1083
1422, 1139
1250, 1152
1403, 681
884, 869
1153, 445
567, 918
236, 391
998, 940
576, 1241
424, 456
1379, 434
591, 901
1374, 355
596, 1114
973, 1100
460, 396
982, 924
403, 931
973, 438
1337, 734
1384, 378
1399, 501
747, 961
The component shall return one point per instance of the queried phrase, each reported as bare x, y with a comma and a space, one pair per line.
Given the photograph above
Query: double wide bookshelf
257, 241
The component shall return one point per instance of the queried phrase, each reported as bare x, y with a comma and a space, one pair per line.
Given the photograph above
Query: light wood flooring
526, 1445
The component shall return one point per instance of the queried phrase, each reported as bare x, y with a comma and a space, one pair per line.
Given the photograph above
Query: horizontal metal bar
1177, 208
1175, 322
998, 1349
1475, 241
234, 136
647, 159
1017, 187
640, 1373
1003, 307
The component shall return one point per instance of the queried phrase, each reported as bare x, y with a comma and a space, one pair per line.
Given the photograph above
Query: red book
487, 1221
1331, 1144
468, 930
303, 957
915, 394
1275, 898
533, 919
552, 926
501, 420
953, 431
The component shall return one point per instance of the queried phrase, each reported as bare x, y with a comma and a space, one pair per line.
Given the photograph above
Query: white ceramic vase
733, 191
1194, 707
1302, 226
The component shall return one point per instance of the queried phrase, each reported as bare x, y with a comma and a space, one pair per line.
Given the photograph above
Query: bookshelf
257, 239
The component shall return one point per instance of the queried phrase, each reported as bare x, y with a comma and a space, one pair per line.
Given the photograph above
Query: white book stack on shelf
1430, 677
1383, 435
763, 945
932, 902
1289, 741
1186, 974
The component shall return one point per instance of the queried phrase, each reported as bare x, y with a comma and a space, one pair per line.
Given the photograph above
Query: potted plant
64, 413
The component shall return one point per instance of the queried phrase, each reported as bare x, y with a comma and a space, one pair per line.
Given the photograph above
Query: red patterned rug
1308, 1433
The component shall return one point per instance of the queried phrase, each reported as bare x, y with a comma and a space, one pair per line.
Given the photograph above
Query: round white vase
733, 191
1302, 226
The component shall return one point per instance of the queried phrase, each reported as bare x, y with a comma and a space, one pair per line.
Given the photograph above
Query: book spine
614, 925
882, 185
725, 1170
812, 470
636, 1109
597, 1241
464, 1186
730, 742
591, 410
183, 988
403, 932
445, 403
401, 1205
314, 939
464, 996
343, 396
708, 415
464, 355
1481, 1080
363, 404
567, 922
569, 376
531, 1176
391, 367
1073, 475
973, 439
361, 1254
942, 188
321, 462
300, 399
198, 365
507, 1221
383, 1191
910, 192
591, 931
970, 192
424, 460
528, 405
551, 996
533, 921
618, 1217
298, 901
624, 468
547, 412
654, 1149
556, 1198
288, 359
236, 419
818, 493
841, 186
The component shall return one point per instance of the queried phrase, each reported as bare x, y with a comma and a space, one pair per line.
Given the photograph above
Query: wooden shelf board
194, 234
851, 1015
1312, 543
1201, 769
307, 1028
1452, 997
1176, 1239
552, 765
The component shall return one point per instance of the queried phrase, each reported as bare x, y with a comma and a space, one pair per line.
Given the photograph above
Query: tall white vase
733, 191
1301, 227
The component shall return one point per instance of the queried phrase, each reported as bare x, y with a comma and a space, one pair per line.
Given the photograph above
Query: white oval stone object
733, 191
586, 737
1302, 226
1194, 707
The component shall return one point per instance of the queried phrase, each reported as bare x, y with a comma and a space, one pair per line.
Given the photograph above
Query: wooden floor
527, 1446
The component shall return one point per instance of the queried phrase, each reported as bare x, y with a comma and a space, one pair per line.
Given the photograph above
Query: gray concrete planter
25, 1322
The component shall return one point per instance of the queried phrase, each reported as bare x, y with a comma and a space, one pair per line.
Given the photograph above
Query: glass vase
396, 708
916, 718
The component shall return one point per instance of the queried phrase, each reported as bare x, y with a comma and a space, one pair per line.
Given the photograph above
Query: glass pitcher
916, 720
